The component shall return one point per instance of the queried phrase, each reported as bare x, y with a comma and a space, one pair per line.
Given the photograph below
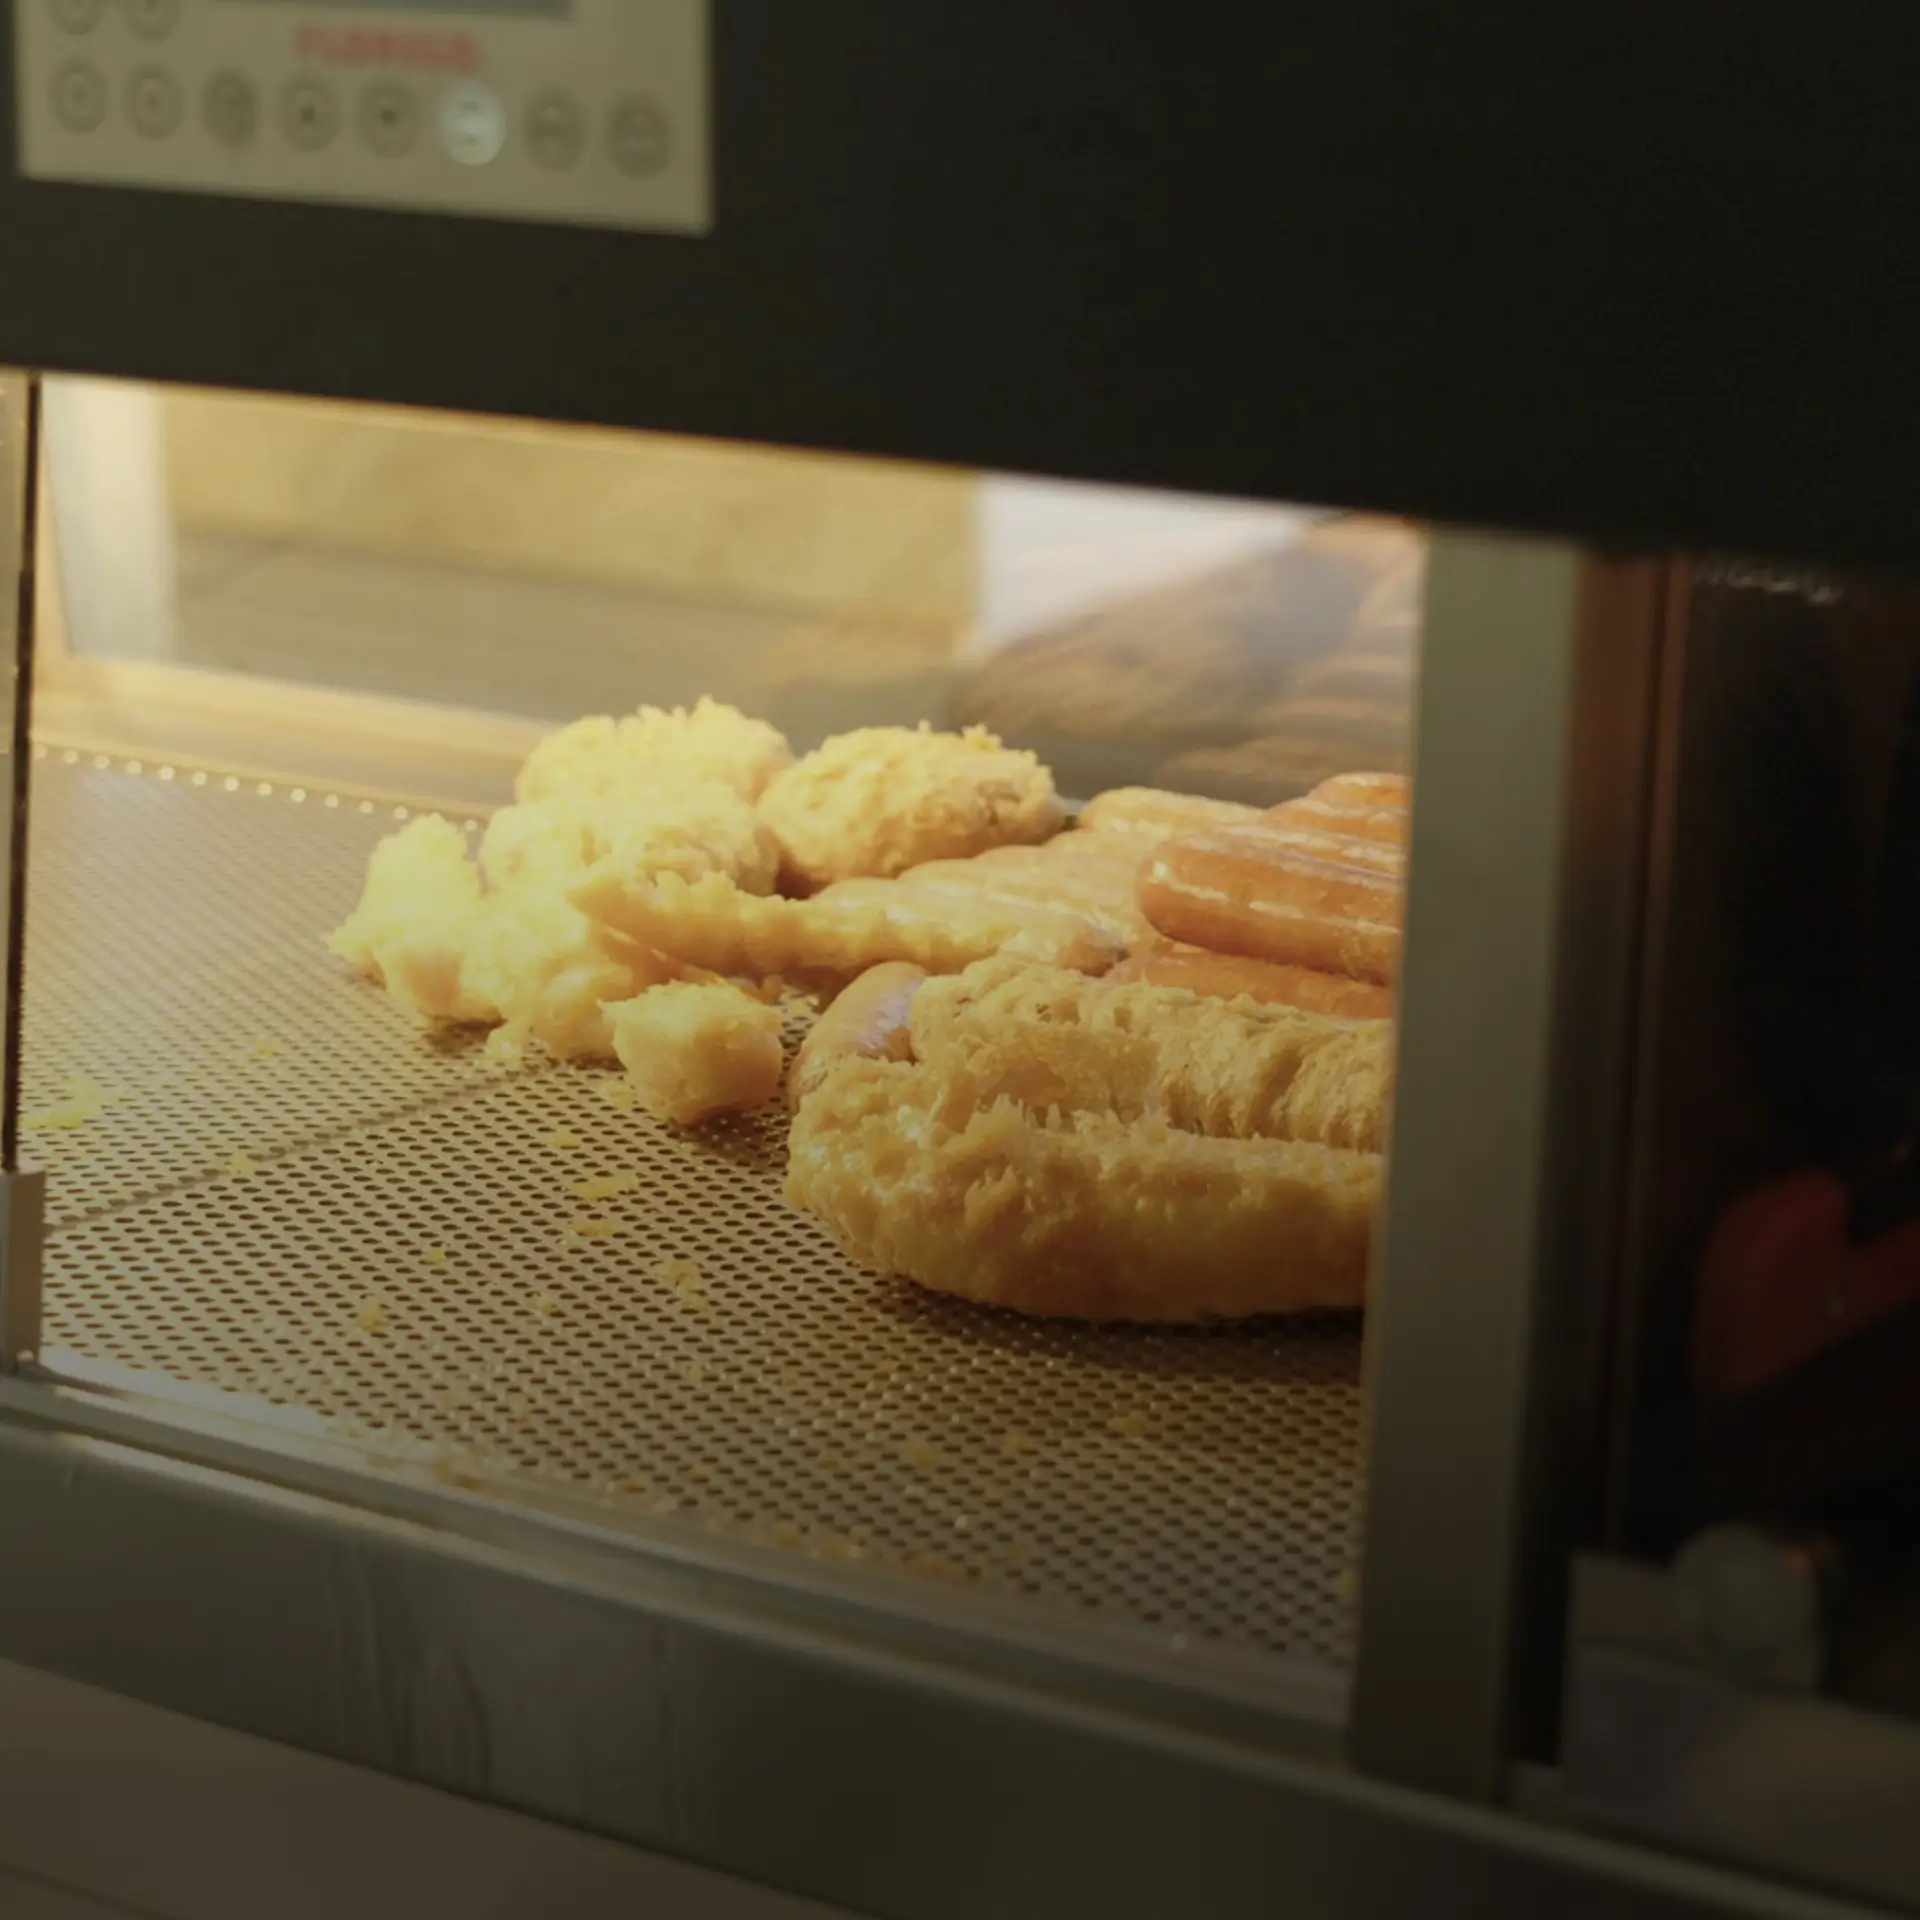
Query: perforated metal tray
287, 1194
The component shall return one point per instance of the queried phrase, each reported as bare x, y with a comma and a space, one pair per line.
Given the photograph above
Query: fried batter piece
696, 1050
690, 829
929, 1173
1227, 1069
417, 916
711, 745
520, 958
877, 801
547, 970
854, 925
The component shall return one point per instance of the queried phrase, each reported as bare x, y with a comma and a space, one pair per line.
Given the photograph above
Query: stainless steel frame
20, 1193
1484, 1349
721, 1720
111, 1810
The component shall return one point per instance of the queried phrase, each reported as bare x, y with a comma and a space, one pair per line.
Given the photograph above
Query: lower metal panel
111, 1809
684, 1715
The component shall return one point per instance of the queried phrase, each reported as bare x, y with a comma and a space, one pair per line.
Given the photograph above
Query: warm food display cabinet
782, 1080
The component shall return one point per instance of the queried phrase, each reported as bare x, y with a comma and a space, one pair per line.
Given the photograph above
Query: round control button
153, 19
389, 118
473, 124
153, 102
77, 16
79, 97
556, 130
308, 115
637, 136
231, 109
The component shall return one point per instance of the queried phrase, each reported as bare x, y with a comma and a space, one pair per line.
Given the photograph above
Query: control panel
586, 111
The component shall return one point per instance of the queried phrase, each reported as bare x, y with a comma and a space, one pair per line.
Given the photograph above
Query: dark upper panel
1641, 270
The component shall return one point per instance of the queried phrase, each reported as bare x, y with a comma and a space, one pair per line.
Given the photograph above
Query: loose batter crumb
935, 1566
617, 1093
606, 1186
242, 1166
85, 1101
921, 1452
685, 1278
372, 1316
436, 1256
563, 1139
591, 1229
543, 1303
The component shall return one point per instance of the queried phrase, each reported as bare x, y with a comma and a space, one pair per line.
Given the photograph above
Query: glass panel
1774, 1383
506, 1180
1127, 636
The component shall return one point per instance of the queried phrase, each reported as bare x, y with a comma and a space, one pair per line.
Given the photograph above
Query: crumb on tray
685, 1278
85, 1101
604, 1186
935, 1566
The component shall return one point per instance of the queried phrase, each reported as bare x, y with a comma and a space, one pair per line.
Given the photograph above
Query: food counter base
269, 1199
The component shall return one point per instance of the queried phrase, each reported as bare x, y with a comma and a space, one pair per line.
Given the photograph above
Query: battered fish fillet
851, 926
690, 829
882, 799
713, 745
925, 1173
1027, 875
1108, 860
1228, 1069
694, 1051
